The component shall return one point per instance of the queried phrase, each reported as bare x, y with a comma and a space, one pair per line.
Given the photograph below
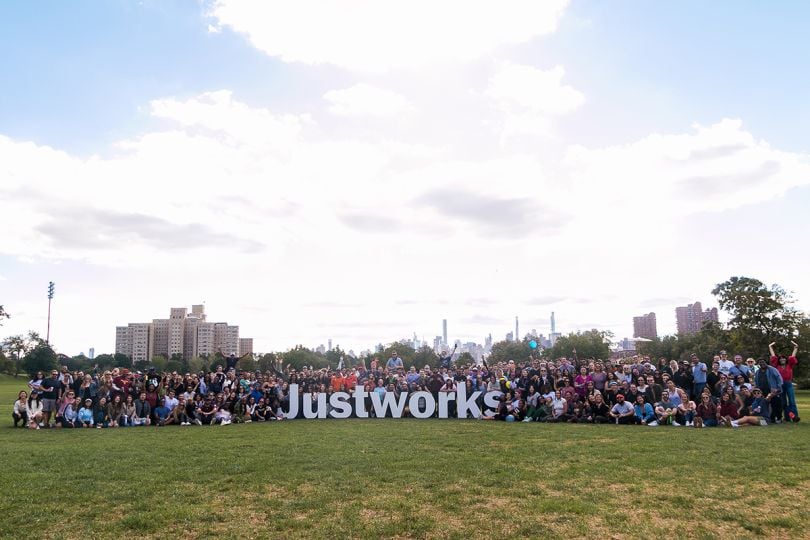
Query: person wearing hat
85, 417
622, 412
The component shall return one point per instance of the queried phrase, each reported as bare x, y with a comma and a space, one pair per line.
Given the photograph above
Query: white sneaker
197, 421
654, 423
688, 424
676, 424
734, 423
226, 422
527, 420
185, 423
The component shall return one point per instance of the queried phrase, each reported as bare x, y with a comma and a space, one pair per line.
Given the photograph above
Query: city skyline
362, 185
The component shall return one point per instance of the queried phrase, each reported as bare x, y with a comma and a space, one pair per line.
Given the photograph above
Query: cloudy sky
360, 170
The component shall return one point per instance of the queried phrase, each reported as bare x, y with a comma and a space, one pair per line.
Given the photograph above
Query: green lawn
406, 478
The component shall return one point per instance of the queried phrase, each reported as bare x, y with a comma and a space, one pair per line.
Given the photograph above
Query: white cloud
530, 99
519, 88
713, 168
240, 192
369, 35
364, 100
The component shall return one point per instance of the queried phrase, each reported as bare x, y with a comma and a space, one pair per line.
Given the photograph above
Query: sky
360, 170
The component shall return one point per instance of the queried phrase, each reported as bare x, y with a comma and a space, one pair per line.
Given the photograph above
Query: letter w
388, 403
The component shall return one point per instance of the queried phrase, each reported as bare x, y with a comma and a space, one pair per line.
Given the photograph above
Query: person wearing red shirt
785, 367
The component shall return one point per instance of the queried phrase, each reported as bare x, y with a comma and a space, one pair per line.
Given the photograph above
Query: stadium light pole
50, 297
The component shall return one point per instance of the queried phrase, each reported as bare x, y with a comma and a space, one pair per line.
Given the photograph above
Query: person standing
769, 381
50, 393
394, 363
698, 377
785, 368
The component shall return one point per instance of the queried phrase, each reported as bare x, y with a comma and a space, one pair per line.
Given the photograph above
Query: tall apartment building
644, 326
690, 318
246, 346
188, 334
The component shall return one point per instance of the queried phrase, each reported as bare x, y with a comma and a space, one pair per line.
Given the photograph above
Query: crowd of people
729, 392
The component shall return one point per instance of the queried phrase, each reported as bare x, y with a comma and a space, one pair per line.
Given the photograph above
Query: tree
300, 356
464, 359
40, 358
3, 315
423, 356
334, 356
582, 345
503, 351
759, 314
404, 351
19, 346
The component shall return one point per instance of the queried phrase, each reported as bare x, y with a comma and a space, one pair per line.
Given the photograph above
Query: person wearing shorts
50, 393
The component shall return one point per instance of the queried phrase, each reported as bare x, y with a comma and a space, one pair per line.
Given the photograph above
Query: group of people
728, 392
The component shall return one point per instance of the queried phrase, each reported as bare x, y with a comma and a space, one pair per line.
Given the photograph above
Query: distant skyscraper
645, 326
444, 332
690, 318
92, 353
330, 344
517, 330
553, 324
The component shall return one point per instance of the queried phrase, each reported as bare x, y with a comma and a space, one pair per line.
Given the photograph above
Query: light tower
50, 297
517, 333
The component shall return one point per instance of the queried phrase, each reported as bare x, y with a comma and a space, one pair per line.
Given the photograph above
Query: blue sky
425, 136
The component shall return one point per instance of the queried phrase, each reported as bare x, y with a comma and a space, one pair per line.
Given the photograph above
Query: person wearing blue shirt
643, 411
698, 377
769, 380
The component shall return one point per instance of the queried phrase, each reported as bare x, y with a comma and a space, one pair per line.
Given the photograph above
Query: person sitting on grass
599, 412
85, 416
239, 411
760, 412
622, 412
205, 412
101, 417
706, 412
665, 411
643, 411
128, 412
727, 411
115, 410
143, 411
68, 417
34, 410
20, 411
222, 416
686, 408
178, 414
161, 414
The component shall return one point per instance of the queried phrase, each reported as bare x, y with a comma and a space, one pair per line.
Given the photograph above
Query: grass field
403, 478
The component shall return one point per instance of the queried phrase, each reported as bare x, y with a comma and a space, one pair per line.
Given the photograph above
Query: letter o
416, 410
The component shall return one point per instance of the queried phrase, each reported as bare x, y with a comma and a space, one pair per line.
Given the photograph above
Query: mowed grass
403, 478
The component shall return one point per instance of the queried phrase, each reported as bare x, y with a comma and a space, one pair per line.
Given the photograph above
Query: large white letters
341, 408
420, 404
416, 399
388, 403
